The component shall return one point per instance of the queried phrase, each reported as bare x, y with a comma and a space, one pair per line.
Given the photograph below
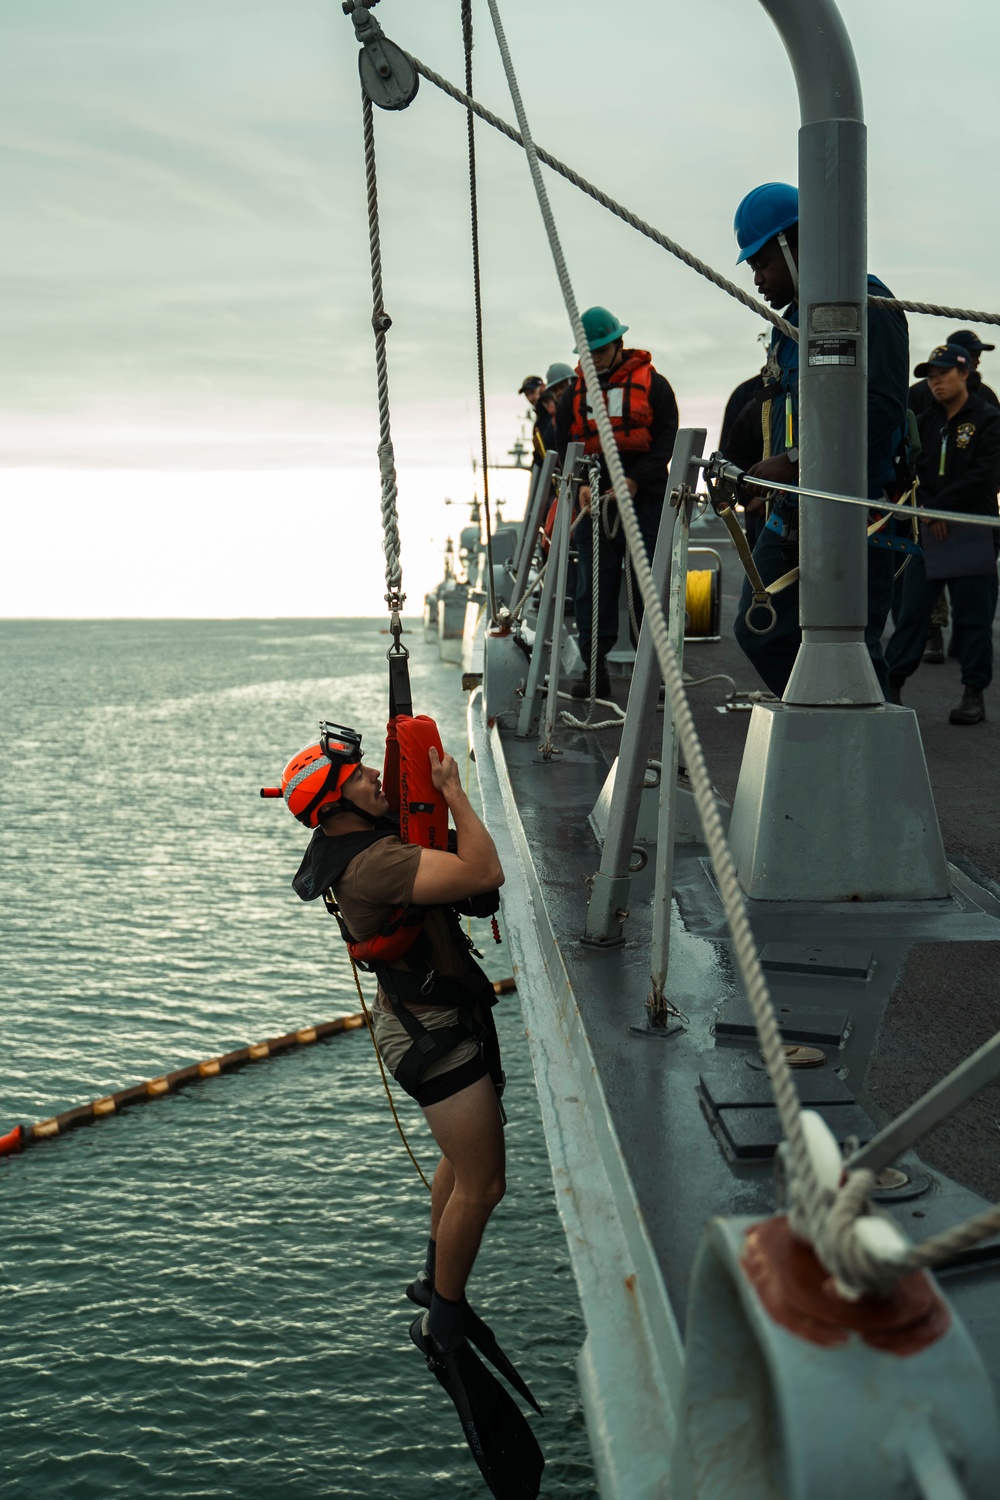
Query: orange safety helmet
313, 780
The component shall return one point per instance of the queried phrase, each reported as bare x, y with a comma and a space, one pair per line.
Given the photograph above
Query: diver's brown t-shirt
380, 878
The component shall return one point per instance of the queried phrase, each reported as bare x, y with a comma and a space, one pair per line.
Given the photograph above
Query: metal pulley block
387, 76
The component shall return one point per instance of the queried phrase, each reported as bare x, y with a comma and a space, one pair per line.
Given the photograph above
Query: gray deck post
533, 518
663, 890
558, 560
831, 834
610, 892
560, 548
833, 665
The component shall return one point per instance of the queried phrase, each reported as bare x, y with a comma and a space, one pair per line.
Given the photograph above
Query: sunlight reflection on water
204, 1297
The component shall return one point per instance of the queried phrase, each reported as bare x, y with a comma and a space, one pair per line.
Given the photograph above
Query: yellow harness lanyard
944, 452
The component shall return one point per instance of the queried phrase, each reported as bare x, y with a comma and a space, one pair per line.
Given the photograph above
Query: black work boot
934, 650
581, 689
895, 692
971, 710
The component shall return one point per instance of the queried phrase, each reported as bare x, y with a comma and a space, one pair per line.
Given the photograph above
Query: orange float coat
630, 407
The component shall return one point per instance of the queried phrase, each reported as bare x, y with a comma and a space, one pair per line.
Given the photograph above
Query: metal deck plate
799, 1023
742, 1085
754, 1131
840, 960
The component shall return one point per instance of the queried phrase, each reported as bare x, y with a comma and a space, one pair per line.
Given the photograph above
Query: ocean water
203, 1296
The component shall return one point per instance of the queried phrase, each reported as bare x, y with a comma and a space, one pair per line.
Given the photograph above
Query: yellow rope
385, 1081
699, 601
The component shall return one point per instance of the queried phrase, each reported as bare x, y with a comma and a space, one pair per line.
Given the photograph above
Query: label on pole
833, 351
834, 317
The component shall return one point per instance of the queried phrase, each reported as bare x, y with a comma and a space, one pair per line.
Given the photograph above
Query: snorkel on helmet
313, 780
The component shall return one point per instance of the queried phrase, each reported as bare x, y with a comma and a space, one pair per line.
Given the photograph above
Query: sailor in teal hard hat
601, 328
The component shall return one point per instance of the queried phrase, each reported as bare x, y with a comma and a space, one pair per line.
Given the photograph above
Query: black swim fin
496, 1430
482, 1335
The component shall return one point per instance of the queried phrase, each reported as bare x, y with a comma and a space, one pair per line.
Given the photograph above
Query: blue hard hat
601, 327
765, 212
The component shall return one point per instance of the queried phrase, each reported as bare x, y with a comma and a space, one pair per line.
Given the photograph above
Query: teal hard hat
765, 212
601, 327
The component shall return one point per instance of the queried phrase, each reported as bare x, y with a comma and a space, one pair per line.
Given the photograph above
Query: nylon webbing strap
400, 697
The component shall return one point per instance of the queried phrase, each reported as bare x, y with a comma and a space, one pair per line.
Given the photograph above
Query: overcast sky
185, 275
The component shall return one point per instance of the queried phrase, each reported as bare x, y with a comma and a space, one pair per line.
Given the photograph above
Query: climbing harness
718, 469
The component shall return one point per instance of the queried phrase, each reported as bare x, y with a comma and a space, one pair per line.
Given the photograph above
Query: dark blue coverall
959, 467
776, 552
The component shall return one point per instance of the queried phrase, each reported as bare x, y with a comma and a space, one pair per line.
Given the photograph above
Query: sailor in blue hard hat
766, 226
768, 213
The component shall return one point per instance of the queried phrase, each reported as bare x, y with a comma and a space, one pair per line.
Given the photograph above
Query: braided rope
942, 1247
478, 295
611, 204
808, 1198
385, 1081
937, 310
826, 1219
381, 322
932, 309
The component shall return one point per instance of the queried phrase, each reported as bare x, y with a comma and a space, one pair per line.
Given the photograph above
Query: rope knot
381, 321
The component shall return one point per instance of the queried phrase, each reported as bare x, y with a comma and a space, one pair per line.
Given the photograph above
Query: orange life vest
629, 406
423, 819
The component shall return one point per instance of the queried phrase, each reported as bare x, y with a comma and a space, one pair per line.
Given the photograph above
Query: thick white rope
807, 1193
588, 723
381, 323
829, 1219
606, 201
932, 309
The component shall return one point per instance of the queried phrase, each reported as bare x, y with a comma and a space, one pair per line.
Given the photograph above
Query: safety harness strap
764, 593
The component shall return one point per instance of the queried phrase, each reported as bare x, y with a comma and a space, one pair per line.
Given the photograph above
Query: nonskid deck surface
691, 1112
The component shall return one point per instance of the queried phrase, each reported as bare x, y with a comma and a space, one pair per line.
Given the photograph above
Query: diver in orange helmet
432, 1017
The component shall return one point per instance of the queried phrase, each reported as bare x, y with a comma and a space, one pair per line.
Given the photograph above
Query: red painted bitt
798, 1292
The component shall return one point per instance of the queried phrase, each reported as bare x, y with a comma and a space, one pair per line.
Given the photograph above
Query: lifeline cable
923, 512
477, 290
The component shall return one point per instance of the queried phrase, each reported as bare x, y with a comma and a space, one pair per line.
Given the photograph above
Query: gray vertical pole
612, 882
663, 890
833, 665
560, 554
534, 516
546, 605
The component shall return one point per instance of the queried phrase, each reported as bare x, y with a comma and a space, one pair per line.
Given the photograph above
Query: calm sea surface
203, 1297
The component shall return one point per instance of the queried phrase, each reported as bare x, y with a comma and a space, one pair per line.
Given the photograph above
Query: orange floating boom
156, 1088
